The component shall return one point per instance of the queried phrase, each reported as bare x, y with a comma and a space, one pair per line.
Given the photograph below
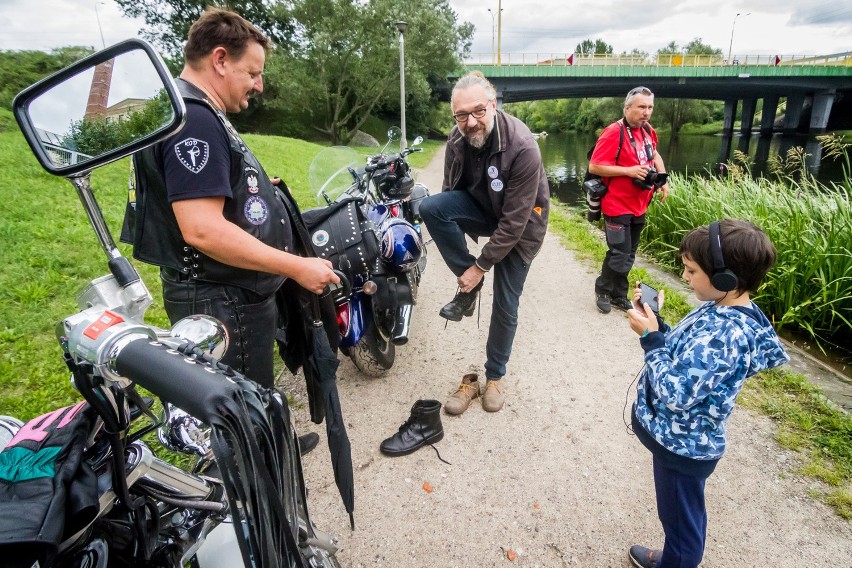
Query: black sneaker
308, 442
644, 557
622, 304
463, 304
602, 301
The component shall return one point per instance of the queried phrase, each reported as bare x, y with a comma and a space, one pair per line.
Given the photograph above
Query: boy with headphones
693, 373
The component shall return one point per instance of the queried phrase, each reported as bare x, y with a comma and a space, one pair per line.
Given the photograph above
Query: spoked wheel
375, 352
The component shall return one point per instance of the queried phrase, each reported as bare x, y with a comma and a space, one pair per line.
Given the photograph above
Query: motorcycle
369, 226
82, 486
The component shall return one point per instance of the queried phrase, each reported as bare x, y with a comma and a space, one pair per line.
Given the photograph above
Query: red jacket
624, 197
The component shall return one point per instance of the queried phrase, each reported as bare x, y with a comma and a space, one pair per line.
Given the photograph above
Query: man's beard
478, 138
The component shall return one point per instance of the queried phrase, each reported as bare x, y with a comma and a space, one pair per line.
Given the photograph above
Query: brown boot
494, 397
467, 391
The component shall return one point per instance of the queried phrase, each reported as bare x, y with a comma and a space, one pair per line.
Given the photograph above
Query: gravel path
554, 477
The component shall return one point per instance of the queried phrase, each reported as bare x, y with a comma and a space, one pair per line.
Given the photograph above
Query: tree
20, 69
593, 47
169, 21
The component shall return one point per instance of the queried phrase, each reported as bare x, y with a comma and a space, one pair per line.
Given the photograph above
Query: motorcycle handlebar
192, 385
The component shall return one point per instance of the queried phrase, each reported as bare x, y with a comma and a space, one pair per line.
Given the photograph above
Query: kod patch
256, 210
320, 238
497, 185
193, 154
492, 172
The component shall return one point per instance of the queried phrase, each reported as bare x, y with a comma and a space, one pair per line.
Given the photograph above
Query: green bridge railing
674, 60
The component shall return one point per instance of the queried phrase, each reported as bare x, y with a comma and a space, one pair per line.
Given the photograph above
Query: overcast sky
782, 27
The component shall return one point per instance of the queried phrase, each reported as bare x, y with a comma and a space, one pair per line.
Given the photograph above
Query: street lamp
731, 45
402, 26
99, 22
492, 35
499, 27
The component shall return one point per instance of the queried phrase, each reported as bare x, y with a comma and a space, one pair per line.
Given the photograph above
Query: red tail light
343, 318
395, 210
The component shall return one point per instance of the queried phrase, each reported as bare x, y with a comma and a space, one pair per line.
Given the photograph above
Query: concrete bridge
818, 84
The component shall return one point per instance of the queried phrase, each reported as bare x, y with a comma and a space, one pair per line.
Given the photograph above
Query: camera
595, 189
652, 180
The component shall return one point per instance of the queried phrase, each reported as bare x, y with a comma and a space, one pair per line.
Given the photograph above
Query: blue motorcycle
370, 229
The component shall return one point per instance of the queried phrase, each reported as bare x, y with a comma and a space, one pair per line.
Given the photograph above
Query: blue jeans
451, 215
251, 320
681, 509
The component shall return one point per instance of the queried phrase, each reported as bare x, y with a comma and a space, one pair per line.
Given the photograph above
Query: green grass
807, 422
50, 254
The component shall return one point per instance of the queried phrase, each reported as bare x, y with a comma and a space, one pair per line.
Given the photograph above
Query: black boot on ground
463, 304
422, 427
308, 442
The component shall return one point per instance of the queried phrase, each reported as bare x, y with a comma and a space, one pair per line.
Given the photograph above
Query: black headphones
722, 278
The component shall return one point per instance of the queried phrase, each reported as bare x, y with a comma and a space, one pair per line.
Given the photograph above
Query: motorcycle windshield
329, 176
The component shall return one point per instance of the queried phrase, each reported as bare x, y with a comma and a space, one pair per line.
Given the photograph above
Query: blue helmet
401, 246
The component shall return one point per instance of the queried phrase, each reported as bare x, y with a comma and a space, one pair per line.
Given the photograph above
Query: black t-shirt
197, 160
474, 178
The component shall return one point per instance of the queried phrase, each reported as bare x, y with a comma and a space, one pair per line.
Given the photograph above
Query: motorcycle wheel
374, 353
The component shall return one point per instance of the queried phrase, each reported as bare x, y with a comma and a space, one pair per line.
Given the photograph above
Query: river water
565, 158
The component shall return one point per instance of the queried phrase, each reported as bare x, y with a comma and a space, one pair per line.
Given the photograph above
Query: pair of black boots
422, 427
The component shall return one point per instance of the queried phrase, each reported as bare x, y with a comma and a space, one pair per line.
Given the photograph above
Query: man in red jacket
626, 157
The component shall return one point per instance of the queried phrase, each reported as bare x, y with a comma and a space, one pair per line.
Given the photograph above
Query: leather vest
150, 223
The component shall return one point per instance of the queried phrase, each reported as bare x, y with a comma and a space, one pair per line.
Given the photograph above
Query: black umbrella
322, 364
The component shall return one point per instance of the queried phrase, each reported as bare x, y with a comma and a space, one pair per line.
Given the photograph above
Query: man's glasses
640, 91
462, 117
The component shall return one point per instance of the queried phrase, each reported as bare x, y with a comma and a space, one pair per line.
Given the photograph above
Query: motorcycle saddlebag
341, 234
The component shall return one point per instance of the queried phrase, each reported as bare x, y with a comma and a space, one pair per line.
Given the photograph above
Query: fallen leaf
511, 555
427, 487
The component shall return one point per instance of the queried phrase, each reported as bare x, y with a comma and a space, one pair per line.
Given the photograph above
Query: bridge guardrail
666, 60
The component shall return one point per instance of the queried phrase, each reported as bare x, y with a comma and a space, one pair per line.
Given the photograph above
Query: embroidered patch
320, 238
496, 185
252, 184
256, 210
492, 172
193, 154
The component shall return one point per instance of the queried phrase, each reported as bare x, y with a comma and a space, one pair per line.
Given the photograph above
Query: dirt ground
555, 476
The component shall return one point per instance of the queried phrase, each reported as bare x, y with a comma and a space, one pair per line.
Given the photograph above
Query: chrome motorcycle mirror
417, 141
394, 133
103, 107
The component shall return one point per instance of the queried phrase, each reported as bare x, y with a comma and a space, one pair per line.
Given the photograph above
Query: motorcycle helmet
401, 246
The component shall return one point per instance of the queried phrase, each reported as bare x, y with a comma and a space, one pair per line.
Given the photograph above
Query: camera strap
649, 149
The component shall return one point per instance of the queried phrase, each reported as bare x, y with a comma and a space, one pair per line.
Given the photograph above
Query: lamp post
499, 28
402, 26
99, 22
731, 45
492, 35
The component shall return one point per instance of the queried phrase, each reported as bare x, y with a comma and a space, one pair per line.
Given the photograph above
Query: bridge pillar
793, 114
820, 111
747, 120
767, 117
730, 116
499, 101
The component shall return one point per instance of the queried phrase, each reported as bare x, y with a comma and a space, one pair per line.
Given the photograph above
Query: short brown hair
746, 250
217, 27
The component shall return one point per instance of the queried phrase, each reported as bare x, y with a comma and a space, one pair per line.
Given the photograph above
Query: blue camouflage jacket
694, 372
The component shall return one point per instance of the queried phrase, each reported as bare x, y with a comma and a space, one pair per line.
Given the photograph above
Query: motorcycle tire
374, 353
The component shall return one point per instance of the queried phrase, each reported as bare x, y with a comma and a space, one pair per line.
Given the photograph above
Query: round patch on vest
320, 238
193, 154
256, 210
497, 185
492, 172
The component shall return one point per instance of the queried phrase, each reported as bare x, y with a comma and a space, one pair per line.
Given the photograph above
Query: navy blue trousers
449, 216
681, 509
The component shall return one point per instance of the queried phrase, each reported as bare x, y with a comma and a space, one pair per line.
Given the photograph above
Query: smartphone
650, 296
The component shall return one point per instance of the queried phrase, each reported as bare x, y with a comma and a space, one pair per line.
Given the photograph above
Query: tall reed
810, 288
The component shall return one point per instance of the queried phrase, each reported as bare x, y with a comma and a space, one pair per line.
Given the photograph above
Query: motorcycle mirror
394, 133
99, 109
417, 141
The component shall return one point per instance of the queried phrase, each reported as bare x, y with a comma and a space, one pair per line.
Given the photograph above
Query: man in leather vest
205, 211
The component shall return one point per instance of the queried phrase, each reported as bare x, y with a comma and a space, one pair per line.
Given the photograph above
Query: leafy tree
20, 69
593, 47
168, 21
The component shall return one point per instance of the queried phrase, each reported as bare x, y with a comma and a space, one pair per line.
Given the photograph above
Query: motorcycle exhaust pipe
402, 325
